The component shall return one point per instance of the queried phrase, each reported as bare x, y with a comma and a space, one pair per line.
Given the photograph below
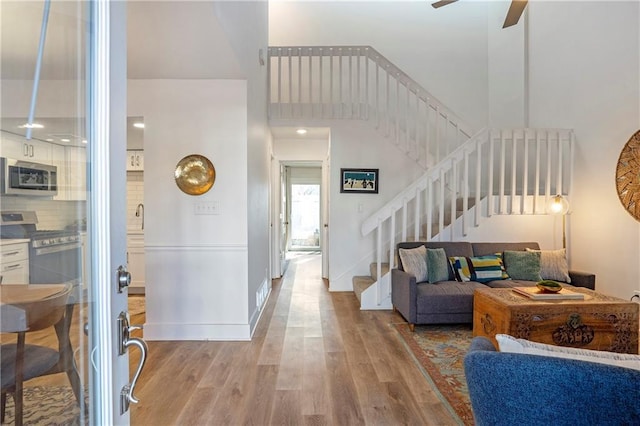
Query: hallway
315, 359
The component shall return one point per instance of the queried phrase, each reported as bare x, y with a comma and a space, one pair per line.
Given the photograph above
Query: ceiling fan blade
514, 13
442, 3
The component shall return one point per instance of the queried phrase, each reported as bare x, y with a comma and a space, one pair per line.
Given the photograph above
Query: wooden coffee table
599, 322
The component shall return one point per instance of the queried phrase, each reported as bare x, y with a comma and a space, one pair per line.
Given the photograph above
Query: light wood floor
315, 359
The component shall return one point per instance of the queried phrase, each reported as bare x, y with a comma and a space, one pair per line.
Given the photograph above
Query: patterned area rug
46, 405
439, 350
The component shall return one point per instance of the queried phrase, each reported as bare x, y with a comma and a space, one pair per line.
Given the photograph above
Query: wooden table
599, 322
22, 304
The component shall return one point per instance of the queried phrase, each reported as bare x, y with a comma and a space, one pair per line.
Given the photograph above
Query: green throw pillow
523, 265
437, 265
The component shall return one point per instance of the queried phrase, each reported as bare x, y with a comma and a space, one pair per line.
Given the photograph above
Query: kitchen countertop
8, 241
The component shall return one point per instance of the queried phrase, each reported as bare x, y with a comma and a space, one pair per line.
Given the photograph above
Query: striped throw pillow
481, 269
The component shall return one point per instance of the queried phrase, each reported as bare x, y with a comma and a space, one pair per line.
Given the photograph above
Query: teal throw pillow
523, 265
437, 265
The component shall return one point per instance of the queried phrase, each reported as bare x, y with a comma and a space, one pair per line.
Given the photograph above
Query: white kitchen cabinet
135, 263
14, 262
135, 160
19, 148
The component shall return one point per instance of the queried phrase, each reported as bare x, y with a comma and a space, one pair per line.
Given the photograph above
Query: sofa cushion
481, 269
415, 262
437, 265
553, 265
522, 265
509, 343
446, 297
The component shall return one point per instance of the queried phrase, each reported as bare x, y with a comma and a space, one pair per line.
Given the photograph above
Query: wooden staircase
362, 282
468, 176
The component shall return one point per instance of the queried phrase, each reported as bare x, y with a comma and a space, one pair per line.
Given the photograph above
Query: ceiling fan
513, 15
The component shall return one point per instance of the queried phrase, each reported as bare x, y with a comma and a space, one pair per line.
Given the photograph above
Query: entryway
300, 200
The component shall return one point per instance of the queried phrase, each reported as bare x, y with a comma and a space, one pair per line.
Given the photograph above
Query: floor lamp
560, 205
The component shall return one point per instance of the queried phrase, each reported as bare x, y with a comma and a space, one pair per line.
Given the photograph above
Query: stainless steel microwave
26, 178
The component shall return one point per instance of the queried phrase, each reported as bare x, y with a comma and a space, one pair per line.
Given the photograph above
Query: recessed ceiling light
301, 131
138, 125
31, 126
49, 140
65, 140
84, 141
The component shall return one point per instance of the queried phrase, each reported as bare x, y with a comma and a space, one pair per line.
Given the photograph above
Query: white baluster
476, 215
300, 108
490, 173
416, 219
404, 220
536, 188
501, 207
559, 177
514, 166
525, 173
548, 183
331, 72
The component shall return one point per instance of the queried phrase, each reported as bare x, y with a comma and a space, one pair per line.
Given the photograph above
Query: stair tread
361, 283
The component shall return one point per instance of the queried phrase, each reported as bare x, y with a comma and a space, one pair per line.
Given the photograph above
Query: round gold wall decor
628, 176
195, 174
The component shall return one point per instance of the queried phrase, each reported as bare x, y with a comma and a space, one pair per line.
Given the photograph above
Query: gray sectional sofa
451, 301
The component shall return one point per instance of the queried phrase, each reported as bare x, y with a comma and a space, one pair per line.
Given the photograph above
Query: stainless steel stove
54, 255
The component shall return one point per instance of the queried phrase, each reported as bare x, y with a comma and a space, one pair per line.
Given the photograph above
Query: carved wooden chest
599, 322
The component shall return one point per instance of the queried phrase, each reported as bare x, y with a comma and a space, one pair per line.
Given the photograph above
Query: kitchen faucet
140, 212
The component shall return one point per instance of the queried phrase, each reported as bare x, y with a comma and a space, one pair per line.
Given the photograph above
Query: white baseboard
217, 332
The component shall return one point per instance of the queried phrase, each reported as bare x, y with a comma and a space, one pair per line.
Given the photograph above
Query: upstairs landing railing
496, 172
358, 83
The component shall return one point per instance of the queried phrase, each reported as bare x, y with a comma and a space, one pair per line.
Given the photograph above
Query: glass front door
63, 94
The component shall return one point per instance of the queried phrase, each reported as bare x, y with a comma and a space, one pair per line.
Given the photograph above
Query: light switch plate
206, 207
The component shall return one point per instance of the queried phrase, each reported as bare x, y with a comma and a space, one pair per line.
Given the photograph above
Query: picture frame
359, 181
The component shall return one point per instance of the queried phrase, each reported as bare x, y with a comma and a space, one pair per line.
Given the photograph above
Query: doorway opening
304, 217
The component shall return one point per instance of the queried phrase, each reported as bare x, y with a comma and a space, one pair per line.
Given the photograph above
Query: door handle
125, 341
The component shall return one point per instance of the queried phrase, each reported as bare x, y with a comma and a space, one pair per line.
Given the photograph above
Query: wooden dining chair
22, 362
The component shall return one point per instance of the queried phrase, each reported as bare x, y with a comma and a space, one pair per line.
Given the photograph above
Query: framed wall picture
359, 181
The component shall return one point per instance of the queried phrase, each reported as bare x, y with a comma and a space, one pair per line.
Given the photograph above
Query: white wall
197, 265
581, 72
444, 50
585, 74
245, 25
356, 144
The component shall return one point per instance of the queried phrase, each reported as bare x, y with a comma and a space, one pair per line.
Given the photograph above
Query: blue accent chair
521, 389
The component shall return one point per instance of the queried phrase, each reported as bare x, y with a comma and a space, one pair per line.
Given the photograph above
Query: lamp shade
558, 205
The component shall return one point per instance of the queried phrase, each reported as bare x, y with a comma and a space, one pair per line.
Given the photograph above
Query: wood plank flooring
315, 359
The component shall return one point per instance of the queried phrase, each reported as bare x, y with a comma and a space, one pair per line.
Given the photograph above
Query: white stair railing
357, 82
512, 171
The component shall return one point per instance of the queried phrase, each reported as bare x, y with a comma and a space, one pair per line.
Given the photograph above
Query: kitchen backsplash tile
54, 214
51, 214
